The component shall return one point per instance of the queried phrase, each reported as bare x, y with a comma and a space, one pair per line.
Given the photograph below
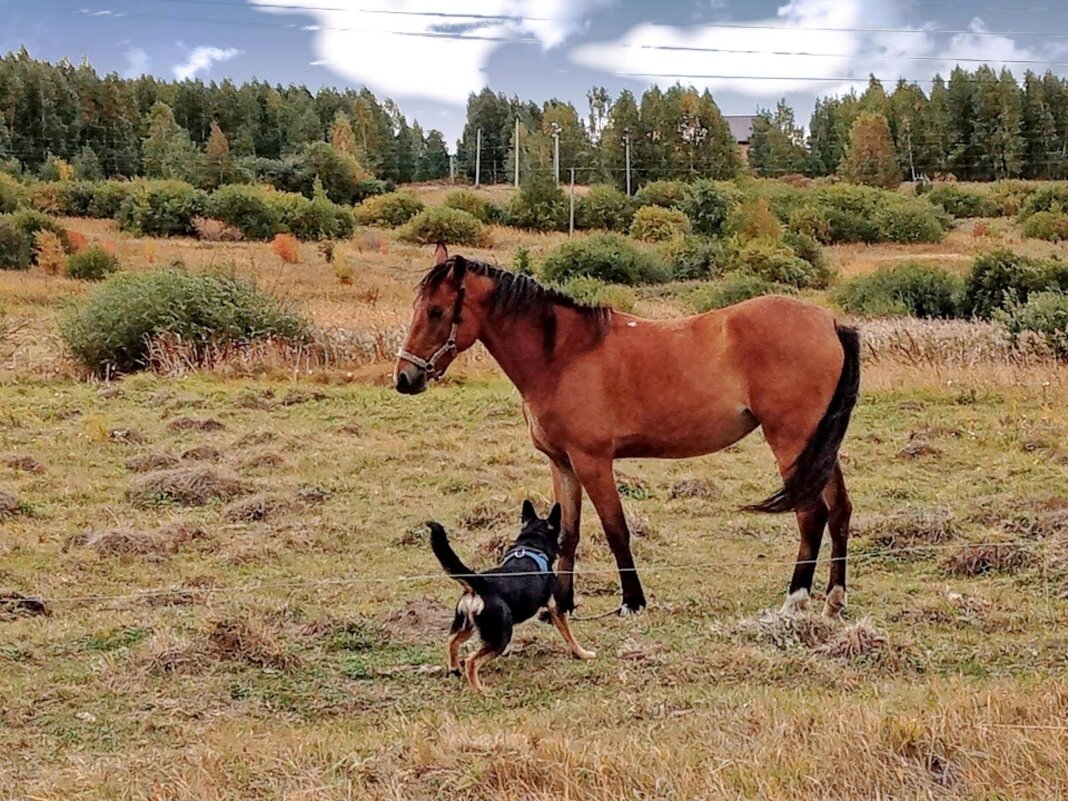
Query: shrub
161, 208
11, 193
521, 261
754, 220
78, 241
1048, 197
246, 208
694, 257
92, 264
29, 222
286, 247
709, 206
734, 289
597, 293
540, 205
912, 289
811, 221
775, 263
1002, 278
1045, 314
112, 331
1008, 197
209, 230
389, 210
474, 204
667, 194
108, 197
607, 257
1049, 225
604, 207
961, 202
450, 226
808, 248
342, 176
865, 214
657, 224
15, 247
312, 220
909, 221
49, 253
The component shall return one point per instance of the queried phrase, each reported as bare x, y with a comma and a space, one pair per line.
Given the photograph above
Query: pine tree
937, 146
341, 136
623, 120
87, 165
167, 151
776, 144
218, 165
870, 158
433, 164
832, 120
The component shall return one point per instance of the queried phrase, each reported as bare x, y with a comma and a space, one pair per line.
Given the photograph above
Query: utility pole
556, 152
516, 152
571, 223
626, 141
478, 157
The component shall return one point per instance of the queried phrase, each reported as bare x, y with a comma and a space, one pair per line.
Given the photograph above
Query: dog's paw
583, 653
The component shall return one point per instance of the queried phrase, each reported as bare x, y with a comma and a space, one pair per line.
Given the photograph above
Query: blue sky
429, 54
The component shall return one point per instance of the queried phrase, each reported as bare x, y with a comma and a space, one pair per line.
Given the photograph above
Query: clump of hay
128, 435
693, 488
907, 528
989, 557
640, 525
148, 462
160, 542
9, 504
494, 545
256, 438
639, 651
817, 634
853, 641
266, 459
110, 391
167, 653
195, 423
193, 486
249, 640
15, 604
489, 514
23, 462
202, 453
308, 494
919, 444
351, 429
257, 508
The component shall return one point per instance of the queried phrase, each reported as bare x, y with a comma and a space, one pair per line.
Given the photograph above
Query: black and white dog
496, 600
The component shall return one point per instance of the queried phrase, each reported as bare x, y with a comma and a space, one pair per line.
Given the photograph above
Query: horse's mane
520, 296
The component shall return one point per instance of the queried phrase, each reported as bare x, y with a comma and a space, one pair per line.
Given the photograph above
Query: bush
775, 263
11, 193
107, 198
312, 220
15, 247
657, 224
808, 248
606, 208
540, 205
1008, 197
1049, 225
710, 205
1047, 197
912, 289
597, 293
161, 208
667, 194
68, 198
49, 253
29, 222
450, 226
846, 213
754, 220
694, 257
92, 264
474, 204
909, 221
1045, 314
246, 208
734, 289
521, 261
1001, 278
113, 330
961, 202
286, 247
607, 257
389, 210
811, 221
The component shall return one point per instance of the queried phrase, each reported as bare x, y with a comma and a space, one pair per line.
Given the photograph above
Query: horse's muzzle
411, 380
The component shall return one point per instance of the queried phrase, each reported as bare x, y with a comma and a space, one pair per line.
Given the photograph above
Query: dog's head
540, 534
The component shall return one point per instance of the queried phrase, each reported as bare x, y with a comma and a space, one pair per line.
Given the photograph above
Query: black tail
439, 542
815, 466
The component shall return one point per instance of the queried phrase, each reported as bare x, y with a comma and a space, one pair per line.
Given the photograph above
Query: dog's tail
439, 542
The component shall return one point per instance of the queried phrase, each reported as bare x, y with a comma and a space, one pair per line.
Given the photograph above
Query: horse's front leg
596, 476
568, 493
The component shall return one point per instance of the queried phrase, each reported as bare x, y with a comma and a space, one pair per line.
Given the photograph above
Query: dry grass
22, 462
195, 423
258, 508
249, 638
287, 248
156, 543
265, 460
193, 486
167, 653
9, 503
981, 558
906, 528
693, 488
201, 453
149, 462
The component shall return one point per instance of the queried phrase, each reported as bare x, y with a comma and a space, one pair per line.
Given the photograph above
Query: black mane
516, 295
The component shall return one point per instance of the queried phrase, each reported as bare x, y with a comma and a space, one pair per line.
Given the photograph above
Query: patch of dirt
257, 508
23, 462
296, 398
260, 401
266, 459
15, 604
202, 453
249, 640
195, 423
693, 488
128, 435
906, 528
153, 544
419, 621
148, 462
9, 504
981, 558
194, 486
919, 444
255, 438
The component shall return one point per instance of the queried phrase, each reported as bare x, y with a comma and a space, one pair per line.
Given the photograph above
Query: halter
429, 366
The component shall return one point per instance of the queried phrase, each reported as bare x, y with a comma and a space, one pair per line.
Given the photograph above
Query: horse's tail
815, 465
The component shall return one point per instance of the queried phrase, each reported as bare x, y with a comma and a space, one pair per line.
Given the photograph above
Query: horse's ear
529, 515
554, 517
441, 253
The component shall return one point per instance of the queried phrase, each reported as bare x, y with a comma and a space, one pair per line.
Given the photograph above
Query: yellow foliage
50, 254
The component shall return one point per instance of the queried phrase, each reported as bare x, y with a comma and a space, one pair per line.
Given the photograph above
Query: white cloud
997, 51
409, 49
137, 63
200, 60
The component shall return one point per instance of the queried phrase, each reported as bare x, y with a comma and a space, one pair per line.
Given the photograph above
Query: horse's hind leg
810, 523
840, 509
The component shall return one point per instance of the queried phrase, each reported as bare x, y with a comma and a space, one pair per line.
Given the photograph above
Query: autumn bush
483, 210
606, 208
658, 224
667, 194
161, 208
918, 290
49, 253
16, 248
286, 247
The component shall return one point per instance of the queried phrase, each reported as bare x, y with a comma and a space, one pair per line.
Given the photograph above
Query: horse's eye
435, 314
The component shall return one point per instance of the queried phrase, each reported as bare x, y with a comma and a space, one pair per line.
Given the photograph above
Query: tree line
977, 125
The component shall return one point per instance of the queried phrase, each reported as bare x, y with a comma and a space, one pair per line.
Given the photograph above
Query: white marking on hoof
796, 601
626, 611
836, 602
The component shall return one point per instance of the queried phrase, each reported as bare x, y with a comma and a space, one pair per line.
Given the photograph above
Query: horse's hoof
626, 610
835, 603
796, 601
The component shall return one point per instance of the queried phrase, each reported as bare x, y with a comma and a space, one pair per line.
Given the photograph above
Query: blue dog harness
540, 559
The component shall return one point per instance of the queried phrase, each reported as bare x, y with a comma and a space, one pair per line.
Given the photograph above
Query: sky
429, 55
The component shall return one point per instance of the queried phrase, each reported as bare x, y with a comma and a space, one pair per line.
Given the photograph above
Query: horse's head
444, 324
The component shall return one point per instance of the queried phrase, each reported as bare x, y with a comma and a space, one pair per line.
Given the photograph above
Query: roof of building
741, 126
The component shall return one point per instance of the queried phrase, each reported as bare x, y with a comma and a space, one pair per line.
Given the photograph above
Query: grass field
295, 650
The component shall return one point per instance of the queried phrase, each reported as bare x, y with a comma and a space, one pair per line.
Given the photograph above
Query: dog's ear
529, 515
554, 517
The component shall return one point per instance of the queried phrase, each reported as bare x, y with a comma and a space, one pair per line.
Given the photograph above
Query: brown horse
600, 385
